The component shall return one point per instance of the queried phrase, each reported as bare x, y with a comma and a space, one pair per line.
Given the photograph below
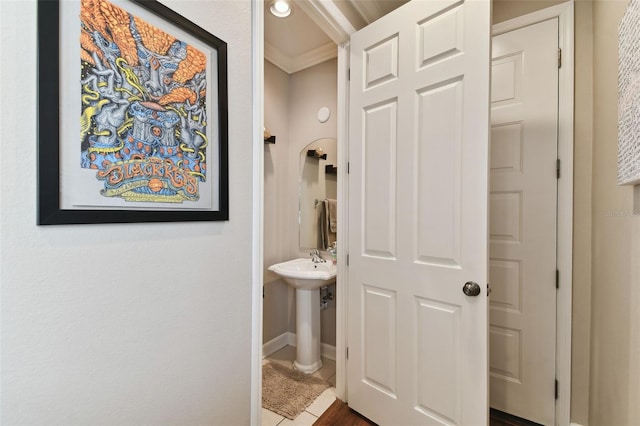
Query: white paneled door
418, 196
523, 205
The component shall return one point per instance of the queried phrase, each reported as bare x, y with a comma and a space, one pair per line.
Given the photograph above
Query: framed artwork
629, 96
132, 115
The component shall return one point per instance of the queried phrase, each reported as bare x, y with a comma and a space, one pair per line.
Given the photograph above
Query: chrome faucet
315, 256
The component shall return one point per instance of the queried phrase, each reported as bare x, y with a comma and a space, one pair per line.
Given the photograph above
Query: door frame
331, 19
257, 216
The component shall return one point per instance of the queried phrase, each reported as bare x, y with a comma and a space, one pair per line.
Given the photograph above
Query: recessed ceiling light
280, 8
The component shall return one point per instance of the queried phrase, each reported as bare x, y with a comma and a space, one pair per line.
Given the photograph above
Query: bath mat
288, 392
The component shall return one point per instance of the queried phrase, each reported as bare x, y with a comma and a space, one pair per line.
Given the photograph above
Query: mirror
318, 194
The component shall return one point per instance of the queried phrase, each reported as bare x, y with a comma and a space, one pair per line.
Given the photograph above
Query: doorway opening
564, 216
300, 179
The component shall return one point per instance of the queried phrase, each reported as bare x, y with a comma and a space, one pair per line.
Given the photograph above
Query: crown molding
329, 18
368, 10
308, 59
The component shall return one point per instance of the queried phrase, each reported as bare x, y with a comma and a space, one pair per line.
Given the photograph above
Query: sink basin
304, 274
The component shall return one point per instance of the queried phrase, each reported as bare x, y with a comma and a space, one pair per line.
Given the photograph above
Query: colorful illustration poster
144, 114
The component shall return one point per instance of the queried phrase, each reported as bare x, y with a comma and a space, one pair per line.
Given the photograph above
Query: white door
522, 271
418, 191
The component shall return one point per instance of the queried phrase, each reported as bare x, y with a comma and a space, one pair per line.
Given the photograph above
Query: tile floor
285, 356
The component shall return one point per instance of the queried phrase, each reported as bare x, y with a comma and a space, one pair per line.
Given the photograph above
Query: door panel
438, 322
447, 28
379, 339
418, 222
523, 209
379, 190
506, 147
381, 62
439, 119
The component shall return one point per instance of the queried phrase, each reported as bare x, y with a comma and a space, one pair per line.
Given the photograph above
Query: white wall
123, 324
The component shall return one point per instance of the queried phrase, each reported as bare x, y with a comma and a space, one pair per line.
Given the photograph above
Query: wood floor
340, 414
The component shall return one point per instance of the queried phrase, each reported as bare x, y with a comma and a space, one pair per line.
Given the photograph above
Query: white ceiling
297, 42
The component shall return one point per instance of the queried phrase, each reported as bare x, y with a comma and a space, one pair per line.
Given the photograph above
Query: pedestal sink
307, 277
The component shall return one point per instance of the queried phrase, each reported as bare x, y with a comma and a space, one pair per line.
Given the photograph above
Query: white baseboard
288, 338
277, 343
328, 351
574, 424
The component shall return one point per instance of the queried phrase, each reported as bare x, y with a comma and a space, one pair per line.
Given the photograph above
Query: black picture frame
50, 209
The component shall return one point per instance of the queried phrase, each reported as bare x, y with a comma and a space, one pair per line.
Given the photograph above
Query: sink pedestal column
308, 331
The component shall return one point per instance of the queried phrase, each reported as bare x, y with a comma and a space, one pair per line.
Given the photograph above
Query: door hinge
559, 58
557, 278
263, 292
349, 74
347, 352
558, 168
348, 167
555, 387
347, 259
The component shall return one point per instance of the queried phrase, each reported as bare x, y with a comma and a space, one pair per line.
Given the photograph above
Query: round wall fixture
323, 114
